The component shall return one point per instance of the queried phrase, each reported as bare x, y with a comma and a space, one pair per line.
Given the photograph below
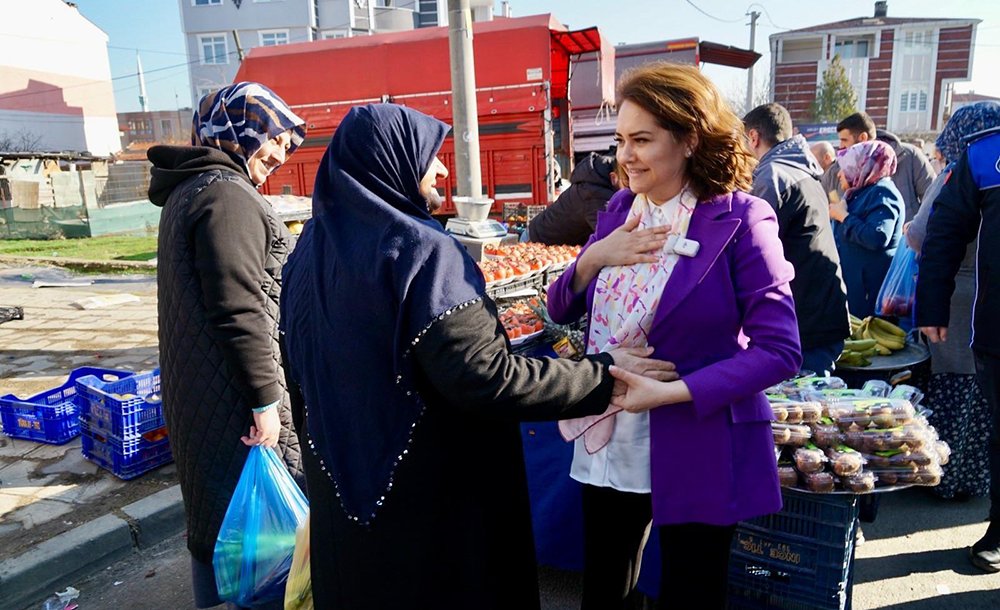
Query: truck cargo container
523, 67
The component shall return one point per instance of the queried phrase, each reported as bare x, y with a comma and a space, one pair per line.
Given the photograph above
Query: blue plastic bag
253, 552
899, 288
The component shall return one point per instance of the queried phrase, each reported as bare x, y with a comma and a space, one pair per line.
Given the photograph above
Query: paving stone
9, 502
17, 478
15, 448
82, 493
38, 512
45, 451
72, 463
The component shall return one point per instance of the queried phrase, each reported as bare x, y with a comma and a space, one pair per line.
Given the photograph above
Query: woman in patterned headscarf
960, 411
868, 222
221, 249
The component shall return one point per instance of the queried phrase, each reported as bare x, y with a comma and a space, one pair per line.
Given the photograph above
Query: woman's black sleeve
465, 360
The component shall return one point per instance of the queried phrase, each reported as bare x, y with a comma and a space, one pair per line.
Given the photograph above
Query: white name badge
682, 246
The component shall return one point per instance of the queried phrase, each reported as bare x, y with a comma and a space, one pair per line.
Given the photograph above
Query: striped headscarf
240, 118
865, 163
967, 120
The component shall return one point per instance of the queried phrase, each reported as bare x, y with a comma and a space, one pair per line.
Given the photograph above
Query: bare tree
736, 95
20, 141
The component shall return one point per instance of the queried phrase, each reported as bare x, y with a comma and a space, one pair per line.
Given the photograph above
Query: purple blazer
712, 459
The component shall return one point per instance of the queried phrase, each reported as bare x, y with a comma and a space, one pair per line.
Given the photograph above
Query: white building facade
216, 32
55, 90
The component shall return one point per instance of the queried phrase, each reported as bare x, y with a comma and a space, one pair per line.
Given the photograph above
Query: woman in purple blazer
685, 262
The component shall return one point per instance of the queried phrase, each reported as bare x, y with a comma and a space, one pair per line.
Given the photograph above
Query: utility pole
468, 178
753, 31
239, 49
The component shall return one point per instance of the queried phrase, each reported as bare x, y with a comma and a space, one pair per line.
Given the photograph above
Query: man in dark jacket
573, 216
969, 204
914, 172
788, 177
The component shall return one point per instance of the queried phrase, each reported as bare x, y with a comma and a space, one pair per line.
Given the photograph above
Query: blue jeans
820, 359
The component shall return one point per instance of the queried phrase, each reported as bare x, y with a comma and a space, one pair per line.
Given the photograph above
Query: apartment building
217, 32
902, 68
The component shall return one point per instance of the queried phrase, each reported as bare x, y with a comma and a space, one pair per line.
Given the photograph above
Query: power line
767, 14
697, 8
91, 84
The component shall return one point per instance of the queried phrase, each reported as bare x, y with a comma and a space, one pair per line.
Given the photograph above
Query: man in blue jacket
788, 178
969, 204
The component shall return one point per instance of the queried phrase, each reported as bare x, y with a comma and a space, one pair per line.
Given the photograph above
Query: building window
334, 34
852, 49
272, 38
206, 2
795, 51
203, 91
913, 101
214, 49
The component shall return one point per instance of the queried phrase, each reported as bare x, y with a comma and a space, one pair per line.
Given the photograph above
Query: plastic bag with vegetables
253, 552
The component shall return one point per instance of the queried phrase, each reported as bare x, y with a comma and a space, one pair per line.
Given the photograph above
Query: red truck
523, 68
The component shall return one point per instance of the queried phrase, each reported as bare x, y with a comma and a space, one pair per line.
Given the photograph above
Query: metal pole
468, 178
753, 30
239, 49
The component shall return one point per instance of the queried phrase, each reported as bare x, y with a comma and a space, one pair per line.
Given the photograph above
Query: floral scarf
865, 163
966, 121
625, 301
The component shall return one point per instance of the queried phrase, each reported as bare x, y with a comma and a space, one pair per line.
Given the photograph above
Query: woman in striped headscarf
220, 252
868, 222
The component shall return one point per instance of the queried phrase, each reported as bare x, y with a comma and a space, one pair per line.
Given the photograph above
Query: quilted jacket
220, 252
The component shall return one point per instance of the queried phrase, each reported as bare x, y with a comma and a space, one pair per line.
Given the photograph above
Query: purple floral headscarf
865, 163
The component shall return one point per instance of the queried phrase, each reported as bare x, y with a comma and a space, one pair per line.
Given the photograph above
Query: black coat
455, 530
572, 217
220, 253
788, 178
964, 209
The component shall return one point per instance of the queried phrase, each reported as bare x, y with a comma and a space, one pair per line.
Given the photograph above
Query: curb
55, 563
80, 264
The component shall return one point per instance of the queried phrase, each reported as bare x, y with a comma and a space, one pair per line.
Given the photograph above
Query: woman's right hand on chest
626, 245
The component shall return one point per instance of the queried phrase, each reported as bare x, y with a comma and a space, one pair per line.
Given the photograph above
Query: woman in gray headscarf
961, 414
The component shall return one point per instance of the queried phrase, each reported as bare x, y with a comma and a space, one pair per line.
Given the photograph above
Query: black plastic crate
801, 557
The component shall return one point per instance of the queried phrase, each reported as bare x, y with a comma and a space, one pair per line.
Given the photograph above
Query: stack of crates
51, 416
122, 424
800, 557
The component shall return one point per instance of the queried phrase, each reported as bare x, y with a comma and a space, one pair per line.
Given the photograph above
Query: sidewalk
62, 517
60, 514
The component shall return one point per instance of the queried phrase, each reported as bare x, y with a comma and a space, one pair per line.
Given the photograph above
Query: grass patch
109, 248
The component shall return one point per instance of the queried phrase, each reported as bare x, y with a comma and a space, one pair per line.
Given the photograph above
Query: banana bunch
871, 337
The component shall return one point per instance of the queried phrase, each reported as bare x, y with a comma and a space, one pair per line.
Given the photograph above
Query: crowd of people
720, 256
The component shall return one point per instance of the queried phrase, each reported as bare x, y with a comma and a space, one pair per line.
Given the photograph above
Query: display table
914, 357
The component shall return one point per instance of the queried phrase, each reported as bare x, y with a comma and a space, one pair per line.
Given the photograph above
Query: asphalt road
913, 559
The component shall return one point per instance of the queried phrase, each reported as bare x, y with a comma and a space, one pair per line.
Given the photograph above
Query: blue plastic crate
127, 458
800, 557
51, 416
126, 408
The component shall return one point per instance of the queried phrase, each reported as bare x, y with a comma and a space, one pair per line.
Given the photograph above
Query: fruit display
864, 439
523, 260
520, 321
871, 337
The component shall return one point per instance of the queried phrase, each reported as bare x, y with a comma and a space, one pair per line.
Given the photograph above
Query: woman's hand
636, 393
838, 210
624, 246
266, 428
637, 360
628, 245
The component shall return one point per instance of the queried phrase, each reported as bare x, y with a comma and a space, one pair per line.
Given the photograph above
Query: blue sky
153, 27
